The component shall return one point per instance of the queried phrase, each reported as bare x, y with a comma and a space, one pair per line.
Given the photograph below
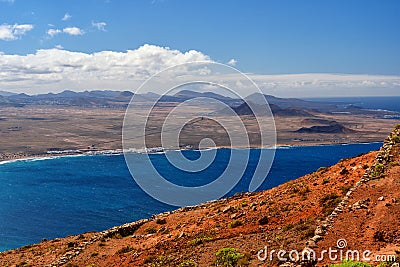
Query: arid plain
34, 130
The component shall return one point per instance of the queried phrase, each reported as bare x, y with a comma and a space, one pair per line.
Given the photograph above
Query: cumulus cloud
232, 62
57, 69
99, 25
66, 17
73, 31
59, 47
53, 32
14, 32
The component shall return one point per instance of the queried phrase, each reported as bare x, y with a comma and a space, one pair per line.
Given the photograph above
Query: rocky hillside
356, 201
333, 127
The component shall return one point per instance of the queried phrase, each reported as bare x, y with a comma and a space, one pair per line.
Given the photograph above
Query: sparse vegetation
396, 139
305, 229
345, 189
344, 171
379, 236
304, 191
235, 223
125, 250
200, 240
325, 181
25, 247
161, 221
287, 227
149, 259
377, 170
154, 261
329, 203
188, 263
379, 166
71, 244
350, 263
264, 220
385, 264
230, 257
299, 188
150, 230
117, 236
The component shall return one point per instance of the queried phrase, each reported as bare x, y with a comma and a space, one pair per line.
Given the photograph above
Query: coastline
14, 157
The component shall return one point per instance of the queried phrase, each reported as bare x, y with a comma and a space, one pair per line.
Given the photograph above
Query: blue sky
263, 37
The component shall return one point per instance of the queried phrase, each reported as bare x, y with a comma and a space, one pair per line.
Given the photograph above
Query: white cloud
53, 32
68, 30
99, 25
73, 31
328, 84
232, 62
56, 70
59, 47
14, 32
66, 17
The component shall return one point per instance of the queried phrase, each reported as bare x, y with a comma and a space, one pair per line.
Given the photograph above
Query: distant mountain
187, 94
94, 98
120, 99
289, 112
318, 121
244, 109
72, 94
333, 128
5, 93
292, 102
6, 102
19, 97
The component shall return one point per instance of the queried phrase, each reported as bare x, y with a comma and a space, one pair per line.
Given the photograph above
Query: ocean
56, 197
391, 103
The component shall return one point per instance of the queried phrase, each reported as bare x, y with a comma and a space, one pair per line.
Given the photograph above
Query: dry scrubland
35, 129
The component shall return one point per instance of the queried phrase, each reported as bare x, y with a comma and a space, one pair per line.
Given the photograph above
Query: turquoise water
57, 197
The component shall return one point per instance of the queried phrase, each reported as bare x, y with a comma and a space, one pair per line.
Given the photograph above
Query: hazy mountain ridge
120, 99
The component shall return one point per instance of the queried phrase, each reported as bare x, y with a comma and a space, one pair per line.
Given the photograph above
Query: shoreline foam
115, 152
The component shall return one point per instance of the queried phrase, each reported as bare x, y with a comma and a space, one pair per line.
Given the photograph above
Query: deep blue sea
391, 103
57, 197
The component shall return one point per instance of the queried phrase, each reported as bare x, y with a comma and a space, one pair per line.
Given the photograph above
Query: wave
33, 159
159, 152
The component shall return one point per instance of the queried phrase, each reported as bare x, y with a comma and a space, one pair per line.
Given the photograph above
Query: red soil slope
286, 217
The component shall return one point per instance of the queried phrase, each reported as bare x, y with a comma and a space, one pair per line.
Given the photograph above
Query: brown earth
286, 217
33, 130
